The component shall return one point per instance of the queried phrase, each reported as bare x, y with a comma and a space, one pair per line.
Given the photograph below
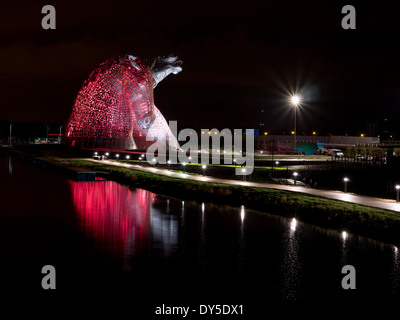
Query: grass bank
374, 223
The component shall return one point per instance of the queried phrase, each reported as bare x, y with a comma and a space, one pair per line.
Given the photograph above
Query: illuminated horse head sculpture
115, 107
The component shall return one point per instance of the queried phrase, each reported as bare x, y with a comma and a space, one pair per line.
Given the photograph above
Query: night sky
238, 58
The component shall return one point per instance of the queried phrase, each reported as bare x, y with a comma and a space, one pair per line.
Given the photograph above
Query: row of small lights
154, 159
314, 133
169, 161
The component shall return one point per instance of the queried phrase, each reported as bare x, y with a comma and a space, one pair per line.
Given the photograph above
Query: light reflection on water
291, 264
126, 223
121, 221
9, 166
395, 272
191, 246
344, 238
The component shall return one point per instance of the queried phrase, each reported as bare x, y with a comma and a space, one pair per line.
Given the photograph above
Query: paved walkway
379, 203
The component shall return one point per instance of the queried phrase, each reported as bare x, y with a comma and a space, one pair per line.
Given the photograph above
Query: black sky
238, 58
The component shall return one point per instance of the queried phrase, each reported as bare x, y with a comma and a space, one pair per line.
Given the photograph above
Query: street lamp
204, 169
117, 156
295, 102
10, 132
60, 134
169, 163
295, 177
244, 174
345, 183
184, 166
397, 192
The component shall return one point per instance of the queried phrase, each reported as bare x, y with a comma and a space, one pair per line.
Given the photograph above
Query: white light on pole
10, 132
345, 183
203, 167
244, 173
295, 174
59, 140
397, 192
295, 102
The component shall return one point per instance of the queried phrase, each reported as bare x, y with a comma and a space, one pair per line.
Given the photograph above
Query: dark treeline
24, 130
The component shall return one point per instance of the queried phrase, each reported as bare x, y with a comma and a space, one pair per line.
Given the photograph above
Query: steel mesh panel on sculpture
115, 107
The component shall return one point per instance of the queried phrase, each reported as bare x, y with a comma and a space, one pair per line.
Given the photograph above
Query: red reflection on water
118, 218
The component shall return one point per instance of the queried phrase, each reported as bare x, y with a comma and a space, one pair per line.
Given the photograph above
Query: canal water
109, 244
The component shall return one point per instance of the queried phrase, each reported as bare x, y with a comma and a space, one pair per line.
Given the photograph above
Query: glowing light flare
295, 100
242, 213
293, 224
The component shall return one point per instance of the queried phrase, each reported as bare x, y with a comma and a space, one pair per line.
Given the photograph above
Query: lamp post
295, 101
117, 156
169, 163
345, 183
203, 167
10, 132
244, 174
60, 134
397, 192
184, 166
295, 177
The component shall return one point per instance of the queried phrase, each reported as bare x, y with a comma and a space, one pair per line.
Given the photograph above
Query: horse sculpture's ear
153, 64
133, 62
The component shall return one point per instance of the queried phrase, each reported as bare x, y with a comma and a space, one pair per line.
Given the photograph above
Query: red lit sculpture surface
115, 107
